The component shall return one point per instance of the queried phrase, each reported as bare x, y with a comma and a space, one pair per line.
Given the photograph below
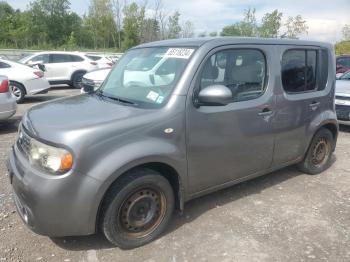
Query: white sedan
24, 80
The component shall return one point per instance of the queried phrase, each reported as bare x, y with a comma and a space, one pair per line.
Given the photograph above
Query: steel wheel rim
142, 212
16, 91
320, 152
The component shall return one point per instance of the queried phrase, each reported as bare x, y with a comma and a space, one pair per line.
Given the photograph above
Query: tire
77, 79
137, 209
18, 91
319, 154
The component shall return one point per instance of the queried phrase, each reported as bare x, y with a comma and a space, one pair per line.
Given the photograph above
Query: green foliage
270, 24
133, 16
295, 27
342, 47
174, 28
231, 30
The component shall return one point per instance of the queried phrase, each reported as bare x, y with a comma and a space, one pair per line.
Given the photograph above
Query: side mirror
215, 95
40, 67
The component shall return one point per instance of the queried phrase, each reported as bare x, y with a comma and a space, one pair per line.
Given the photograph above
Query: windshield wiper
121, 100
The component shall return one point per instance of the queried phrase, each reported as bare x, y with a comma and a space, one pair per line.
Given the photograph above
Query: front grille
23, 143
343, 112
343, 98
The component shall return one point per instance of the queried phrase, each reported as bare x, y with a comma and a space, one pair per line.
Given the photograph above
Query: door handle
265, 112
314, 104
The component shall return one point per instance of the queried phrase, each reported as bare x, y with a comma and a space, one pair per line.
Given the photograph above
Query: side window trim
209, 55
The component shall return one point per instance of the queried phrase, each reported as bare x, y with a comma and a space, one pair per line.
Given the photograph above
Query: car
7, 101
343, 63
62, 67
93, 80
342, 99
216, 112
101, 60
24, 80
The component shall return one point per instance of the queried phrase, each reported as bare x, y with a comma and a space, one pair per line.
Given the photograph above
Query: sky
325, 19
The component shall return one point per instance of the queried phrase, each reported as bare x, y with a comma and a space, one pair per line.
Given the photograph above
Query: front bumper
54, 206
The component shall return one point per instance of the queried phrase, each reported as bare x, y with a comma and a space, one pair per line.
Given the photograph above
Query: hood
66, 119
98, 75
342, 87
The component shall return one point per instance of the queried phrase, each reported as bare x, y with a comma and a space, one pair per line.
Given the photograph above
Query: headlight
48, 158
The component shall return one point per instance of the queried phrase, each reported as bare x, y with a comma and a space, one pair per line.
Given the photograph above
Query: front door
226, 143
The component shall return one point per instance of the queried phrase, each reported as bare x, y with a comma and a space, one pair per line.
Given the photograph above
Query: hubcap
321, 152
142, 212
15, 91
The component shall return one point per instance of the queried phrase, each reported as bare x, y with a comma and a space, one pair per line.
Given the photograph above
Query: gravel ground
283, 216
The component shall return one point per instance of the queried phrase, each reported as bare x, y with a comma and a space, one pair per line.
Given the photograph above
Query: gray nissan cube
174, 120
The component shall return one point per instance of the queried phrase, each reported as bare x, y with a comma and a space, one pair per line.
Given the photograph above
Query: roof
197, 42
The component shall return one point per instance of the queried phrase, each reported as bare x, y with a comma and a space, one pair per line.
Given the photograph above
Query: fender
136, 154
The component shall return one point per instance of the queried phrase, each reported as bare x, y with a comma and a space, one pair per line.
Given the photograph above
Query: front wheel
137, 209
318, 156
77, 79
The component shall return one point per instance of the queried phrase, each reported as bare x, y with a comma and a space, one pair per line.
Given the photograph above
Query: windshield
346, 76
146, 76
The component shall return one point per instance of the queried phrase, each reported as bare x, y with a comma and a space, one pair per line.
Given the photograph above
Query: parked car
343, 63
24, 80
342, 99
93, 80
62, 67
121, 159
101, 60
7, 101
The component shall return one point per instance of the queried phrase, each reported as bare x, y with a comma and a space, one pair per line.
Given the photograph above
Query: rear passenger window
243, 71
300, 70
4, 65
60, 58
75, 58
323, 69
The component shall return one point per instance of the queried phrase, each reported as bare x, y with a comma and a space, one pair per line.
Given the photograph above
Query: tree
202, 34
342, 47
131, 26
174, 28
213, 34
231, 30
187, 30
346, 32
295, 27
270, 24
248, 27
100, 21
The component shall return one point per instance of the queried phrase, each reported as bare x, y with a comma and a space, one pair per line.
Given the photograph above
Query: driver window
243, 71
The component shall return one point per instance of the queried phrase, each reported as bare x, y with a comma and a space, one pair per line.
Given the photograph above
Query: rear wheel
137, 209
318, 156
17, 91
77, 79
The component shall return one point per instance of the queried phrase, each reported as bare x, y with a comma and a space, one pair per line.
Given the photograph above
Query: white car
7, 101
62, 67
101, 60
342, 99
93, 80
24, 80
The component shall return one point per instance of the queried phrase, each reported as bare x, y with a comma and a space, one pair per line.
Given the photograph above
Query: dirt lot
284, 216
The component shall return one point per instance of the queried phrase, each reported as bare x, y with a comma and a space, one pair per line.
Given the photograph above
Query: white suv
62, 67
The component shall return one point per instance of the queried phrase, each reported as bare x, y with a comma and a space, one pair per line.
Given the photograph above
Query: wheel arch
76, 72
165, 169
19, 83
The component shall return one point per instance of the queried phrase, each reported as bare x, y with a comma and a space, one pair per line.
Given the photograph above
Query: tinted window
4, 65
299, 70
243, 71
40, 58
95, 58
60, 58
323, 64
75, 58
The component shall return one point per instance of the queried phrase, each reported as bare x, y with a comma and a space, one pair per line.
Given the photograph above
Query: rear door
301, 99
59, 67
227, 143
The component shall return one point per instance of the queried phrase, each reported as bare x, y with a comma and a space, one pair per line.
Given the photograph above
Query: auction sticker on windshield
184, 53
